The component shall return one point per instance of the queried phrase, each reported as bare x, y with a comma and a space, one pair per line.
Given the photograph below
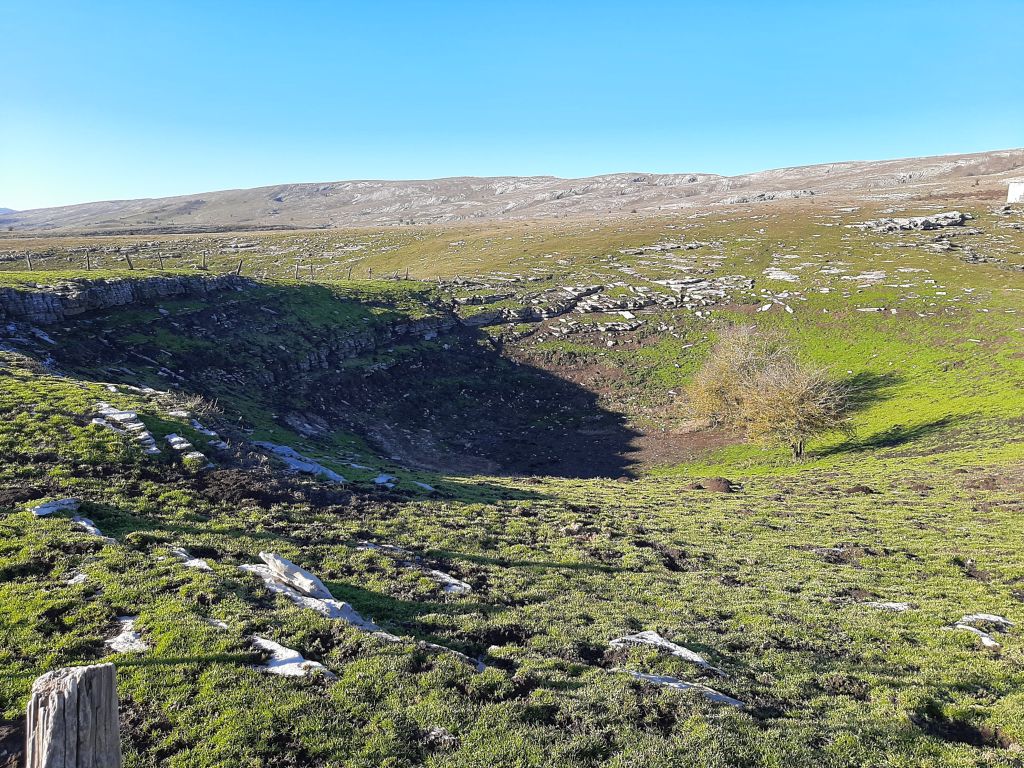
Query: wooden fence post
72, 719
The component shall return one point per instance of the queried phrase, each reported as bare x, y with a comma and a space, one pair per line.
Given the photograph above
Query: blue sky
105, 100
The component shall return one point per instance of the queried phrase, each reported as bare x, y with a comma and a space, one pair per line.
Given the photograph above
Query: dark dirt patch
936, 724
971, 570
983, 484
859, 490
839, 684
12, 497
856, 594
843, 554
715, 484
920, 487
658, 449
234, 486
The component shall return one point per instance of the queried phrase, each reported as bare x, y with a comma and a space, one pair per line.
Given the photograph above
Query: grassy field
780, 585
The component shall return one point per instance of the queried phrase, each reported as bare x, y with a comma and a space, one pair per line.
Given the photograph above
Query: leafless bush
753, 381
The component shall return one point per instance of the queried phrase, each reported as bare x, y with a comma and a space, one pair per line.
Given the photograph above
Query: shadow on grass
167, 661
867, 388
454, 405
893, 437
391, 610
532, 564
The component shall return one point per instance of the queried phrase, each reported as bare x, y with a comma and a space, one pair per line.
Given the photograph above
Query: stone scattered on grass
287, 662
449, 584
196, 460
476, 664
986, 639
128, 640
127, 422
889, 606
911, 223
1000, 622
190, 456
654, 640
78, 578
300, 463
178, 443
305, 590
672, 682
201, 429
987, 621
58, 505
89, 526
188, 561
286, 571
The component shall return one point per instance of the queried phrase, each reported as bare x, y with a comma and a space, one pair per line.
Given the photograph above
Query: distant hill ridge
460, 199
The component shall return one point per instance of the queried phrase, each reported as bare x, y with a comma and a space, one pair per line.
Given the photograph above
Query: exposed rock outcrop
912, 223
44, 305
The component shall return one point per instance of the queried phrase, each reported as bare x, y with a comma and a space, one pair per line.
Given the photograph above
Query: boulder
297, 578
59, 505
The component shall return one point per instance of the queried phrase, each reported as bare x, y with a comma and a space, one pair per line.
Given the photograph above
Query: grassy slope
561, 566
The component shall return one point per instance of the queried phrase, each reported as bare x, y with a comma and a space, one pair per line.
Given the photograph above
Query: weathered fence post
239, 270
72, 719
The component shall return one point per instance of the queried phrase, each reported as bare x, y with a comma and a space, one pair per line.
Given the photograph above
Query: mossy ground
771, 583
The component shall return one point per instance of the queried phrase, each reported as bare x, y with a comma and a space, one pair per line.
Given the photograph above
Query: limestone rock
298, 578
190, 562
60, 505
300, 463
288, 662
128, 640
681, 685
53, 304
654, 640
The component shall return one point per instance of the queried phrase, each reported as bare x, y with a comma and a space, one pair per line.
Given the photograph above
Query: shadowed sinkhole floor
453, 404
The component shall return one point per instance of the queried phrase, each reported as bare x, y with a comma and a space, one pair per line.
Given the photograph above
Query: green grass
771, 583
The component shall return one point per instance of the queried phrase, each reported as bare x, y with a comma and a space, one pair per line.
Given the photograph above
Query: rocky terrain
373, 203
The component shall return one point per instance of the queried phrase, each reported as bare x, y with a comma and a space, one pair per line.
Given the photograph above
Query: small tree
754, 382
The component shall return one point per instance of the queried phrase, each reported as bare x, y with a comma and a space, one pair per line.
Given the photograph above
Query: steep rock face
332, 352
53, 304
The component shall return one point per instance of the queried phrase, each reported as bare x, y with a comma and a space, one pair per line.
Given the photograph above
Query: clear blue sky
105, 100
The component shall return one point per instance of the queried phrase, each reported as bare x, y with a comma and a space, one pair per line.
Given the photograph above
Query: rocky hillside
355, 203
467, 521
